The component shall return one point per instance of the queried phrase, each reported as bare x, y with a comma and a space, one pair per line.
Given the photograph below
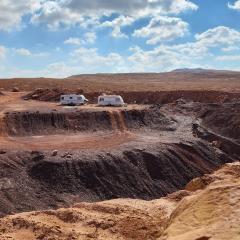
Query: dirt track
66, 142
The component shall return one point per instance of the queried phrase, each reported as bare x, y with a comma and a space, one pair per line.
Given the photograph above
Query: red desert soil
207, 209
36, 119
13, 102
207, 80
139, 151
66, 142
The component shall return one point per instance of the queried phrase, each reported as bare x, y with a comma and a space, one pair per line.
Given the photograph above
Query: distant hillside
115, 74
181, 79
202, 70
155, 74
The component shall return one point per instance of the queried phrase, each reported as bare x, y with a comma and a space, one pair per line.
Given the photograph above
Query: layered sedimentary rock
207, 209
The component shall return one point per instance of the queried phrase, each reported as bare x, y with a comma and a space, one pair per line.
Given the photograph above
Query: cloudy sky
59, 38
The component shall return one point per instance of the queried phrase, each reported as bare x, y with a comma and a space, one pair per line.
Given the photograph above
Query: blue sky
58, 38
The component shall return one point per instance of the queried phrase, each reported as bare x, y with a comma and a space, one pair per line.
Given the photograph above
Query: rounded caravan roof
106, 96
73, 95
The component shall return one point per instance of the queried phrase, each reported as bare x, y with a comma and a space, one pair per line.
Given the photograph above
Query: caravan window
101, 100
62, 98
70, 97
79, 98
117, 99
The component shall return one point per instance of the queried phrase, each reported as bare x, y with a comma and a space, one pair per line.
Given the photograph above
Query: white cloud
163, 58
130, 7
23, 52
2, 51
27, 53
41, 54
197, 53
218, 36
189, 49
90, 37
162, 28
66, 13
179, 6
60, 69
230, 48
228, 58
85, 12
11, 12
55, 13
189, 54
86, 60
92, 59
56, 69
73, 41
117, 24
235, 6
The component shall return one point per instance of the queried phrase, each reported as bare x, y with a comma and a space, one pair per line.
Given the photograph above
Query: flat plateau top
205, 80
10, 102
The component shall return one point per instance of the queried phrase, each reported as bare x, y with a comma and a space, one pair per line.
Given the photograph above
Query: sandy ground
14, 102
11, 102
207, 210
67, 142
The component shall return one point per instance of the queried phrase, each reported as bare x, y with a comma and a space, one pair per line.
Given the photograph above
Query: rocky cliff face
33, 181
223, 118
53, 122
168, 146
139, 97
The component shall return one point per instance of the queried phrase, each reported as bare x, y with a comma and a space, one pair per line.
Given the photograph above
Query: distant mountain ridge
180, 70
199, 70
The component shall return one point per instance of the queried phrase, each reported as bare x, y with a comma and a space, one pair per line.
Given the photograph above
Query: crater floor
53, 157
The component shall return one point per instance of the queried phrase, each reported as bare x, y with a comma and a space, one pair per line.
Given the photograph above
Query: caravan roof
110, 96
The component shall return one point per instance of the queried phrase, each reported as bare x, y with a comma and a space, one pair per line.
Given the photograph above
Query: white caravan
110, 100
73, 99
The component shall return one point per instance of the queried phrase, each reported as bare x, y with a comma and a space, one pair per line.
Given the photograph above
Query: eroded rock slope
207, 209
